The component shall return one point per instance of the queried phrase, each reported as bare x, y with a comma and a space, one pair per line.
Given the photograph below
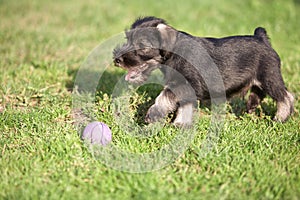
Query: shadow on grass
238, 106
149, 92
106, 86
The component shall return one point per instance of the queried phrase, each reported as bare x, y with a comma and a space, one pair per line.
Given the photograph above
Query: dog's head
148, 42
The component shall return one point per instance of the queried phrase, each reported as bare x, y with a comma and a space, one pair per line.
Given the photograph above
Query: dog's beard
137, 75
140, 74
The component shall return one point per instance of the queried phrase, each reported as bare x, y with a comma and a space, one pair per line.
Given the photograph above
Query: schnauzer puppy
243, 63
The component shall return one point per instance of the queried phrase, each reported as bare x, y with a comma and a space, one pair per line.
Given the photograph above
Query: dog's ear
168, 36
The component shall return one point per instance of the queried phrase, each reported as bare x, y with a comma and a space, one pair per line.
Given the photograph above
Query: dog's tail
261, 33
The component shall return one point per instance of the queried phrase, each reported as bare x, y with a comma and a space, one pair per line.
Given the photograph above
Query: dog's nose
118, 61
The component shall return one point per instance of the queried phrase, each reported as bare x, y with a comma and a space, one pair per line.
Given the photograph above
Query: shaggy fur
243, 62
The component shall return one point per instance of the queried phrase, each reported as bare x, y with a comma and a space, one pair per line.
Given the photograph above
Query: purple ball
97, 133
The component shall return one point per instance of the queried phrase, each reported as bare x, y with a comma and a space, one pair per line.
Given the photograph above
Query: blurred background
66, 31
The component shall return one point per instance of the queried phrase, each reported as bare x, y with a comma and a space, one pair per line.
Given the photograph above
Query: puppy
241, 62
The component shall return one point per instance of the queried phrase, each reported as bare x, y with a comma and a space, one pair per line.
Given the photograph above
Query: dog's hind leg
275, 88
285, 107
255, 97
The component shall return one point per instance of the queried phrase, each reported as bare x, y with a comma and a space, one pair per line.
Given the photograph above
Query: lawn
43, 44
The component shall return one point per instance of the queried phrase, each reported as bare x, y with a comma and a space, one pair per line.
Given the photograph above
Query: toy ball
97, 133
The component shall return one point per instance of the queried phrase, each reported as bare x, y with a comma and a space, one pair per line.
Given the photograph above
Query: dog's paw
182, 123
154, 114
184, 116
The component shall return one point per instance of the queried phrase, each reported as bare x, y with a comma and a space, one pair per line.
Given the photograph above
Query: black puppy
194, 65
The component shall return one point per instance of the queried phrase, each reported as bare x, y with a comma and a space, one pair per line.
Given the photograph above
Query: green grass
44, 43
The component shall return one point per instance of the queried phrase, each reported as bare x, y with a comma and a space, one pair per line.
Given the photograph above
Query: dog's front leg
165, 103
184, 117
